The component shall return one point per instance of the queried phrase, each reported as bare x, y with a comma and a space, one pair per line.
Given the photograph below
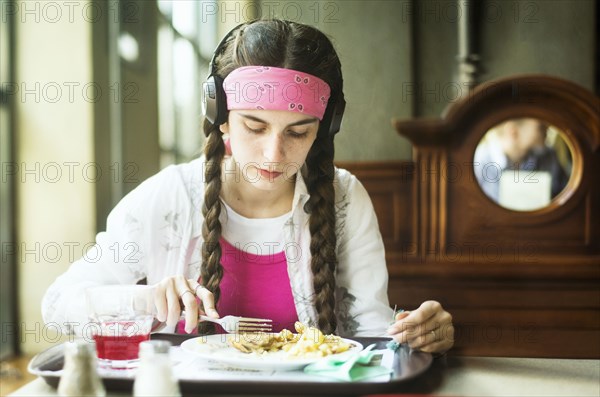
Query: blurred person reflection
517, 144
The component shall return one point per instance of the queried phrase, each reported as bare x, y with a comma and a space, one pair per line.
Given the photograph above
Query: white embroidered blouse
156, 231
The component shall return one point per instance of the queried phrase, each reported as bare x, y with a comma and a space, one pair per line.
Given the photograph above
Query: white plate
215, 348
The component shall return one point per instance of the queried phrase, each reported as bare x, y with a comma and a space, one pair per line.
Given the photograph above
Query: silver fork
231, 324
236, 324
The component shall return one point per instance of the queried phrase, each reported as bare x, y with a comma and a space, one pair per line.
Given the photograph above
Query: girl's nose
273, 149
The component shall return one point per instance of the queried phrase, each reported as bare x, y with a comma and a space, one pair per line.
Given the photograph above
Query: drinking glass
121, 317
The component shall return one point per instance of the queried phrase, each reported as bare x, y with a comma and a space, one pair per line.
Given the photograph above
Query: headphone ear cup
209, 99
337, 114
214, 101
221, 105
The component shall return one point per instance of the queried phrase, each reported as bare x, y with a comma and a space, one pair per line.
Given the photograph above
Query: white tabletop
476, 376
485, 376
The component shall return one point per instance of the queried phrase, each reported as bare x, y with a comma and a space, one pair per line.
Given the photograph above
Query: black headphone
214, 100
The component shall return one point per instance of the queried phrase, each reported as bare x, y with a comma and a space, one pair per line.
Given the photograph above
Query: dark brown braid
321, 206
300, 47
211, 270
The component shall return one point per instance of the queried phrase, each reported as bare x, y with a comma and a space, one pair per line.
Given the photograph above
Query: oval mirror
523, 163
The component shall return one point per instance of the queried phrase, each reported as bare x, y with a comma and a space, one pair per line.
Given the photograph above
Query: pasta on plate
308, 342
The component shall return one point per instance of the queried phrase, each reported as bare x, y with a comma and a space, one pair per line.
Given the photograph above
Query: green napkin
349, 368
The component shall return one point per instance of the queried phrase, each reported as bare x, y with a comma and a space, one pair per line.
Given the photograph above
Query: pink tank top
256, 286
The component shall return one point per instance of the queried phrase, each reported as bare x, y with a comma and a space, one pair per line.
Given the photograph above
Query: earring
227, 144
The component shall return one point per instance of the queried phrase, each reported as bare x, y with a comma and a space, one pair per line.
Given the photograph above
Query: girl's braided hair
291, 45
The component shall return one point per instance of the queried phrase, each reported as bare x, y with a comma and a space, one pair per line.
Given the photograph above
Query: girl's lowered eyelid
254, 128
298, 134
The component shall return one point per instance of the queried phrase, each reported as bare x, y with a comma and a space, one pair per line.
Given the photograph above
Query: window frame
202, 51
8, 279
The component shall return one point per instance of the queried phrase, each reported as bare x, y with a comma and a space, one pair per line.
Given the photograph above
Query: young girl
263, 225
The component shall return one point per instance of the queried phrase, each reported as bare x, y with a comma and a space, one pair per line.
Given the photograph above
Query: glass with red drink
121, 317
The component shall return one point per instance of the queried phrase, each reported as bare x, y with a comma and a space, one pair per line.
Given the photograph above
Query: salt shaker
80, 376
154, 376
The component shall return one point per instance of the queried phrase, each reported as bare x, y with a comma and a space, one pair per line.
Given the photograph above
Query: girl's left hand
428, 328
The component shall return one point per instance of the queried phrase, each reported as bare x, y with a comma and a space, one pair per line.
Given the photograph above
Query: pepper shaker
80, 375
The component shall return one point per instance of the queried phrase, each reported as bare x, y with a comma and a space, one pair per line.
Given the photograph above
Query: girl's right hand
174, 291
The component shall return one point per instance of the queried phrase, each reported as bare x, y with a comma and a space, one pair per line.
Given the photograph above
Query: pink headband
271, 88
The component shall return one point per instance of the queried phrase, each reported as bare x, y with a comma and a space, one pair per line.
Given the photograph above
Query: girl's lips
268, 174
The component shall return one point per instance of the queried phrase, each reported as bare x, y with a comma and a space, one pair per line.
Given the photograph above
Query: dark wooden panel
384, 208
527, 268
487, 295
389, 185
543, 319
548, 343
538, 319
